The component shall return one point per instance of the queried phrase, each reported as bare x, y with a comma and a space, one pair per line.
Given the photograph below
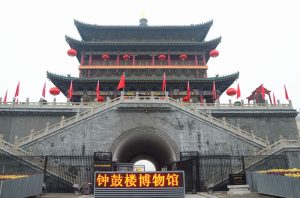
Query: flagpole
124, 85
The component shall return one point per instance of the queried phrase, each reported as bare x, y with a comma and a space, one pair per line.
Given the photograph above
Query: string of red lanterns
183, 57
126, 57
105, 57
162, 57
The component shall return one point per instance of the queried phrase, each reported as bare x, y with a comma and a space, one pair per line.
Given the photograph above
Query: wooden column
196, 59
203, 59
133, 59
153, 59
82, 58
90, 59
118, 59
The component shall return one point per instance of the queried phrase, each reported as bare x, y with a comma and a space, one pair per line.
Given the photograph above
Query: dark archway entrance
145, 143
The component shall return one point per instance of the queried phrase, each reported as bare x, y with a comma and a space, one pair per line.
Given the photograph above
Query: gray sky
260, 39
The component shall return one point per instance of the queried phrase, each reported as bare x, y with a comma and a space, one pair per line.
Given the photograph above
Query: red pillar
90, 59
196, 60
82, 58
153, 59
203, 59
118, 59
133, 59
169, 59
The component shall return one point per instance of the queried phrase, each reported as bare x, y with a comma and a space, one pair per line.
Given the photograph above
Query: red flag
5, 97
262, 92
44, 90
274, 99
70, 91
238, 91
164, 82
122, 82
286, 93
98, 90
214, 92
188, 90
17, 90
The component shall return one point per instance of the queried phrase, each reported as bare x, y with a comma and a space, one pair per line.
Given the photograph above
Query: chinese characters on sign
139, 180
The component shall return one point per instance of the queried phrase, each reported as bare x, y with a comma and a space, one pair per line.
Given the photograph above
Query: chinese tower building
142, 120
144, 53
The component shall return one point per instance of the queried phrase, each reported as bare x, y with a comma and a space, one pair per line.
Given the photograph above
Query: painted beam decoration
166, 182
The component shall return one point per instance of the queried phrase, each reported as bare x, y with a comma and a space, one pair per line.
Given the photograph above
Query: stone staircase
27, 158
272, 149
186, 108
183, 107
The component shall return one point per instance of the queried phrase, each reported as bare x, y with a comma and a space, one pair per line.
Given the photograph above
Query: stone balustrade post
122, 95
224, 121
16, 139
242, 102
107, 101
54, 101
204, 102
209, 116
252, 134
254, 103
27, 101
290, 103
278, 102
266, 103
77, 115
218, 103
62, 122
152, 96
31, 134
68, 102
280, 137
267, 139
0, 100
230, 103
47, 127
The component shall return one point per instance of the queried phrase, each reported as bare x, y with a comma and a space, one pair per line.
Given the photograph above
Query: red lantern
126, 57
214, 53
72, 52
162, 57
183, 57
54, 91
231, 91
105, 57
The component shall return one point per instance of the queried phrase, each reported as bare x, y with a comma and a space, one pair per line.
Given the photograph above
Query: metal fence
212, 171
276, 185
30, 185
201, 172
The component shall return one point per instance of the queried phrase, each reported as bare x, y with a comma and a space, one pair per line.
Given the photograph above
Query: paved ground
199, 195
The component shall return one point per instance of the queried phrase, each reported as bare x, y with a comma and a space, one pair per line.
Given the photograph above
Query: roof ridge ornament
143, 22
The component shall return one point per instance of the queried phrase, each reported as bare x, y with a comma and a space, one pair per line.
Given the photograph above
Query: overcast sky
260, 39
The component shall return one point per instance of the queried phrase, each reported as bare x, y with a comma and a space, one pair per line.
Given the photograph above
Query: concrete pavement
198, 195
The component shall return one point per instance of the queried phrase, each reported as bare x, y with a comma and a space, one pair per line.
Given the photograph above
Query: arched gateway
146, 143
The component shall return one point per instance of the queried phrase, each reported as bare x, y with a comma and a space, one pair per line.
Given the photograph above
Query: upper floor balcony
142, 64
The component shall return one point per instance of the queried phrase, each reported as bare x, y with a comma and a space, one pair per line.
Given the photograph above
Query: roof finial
143, 22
